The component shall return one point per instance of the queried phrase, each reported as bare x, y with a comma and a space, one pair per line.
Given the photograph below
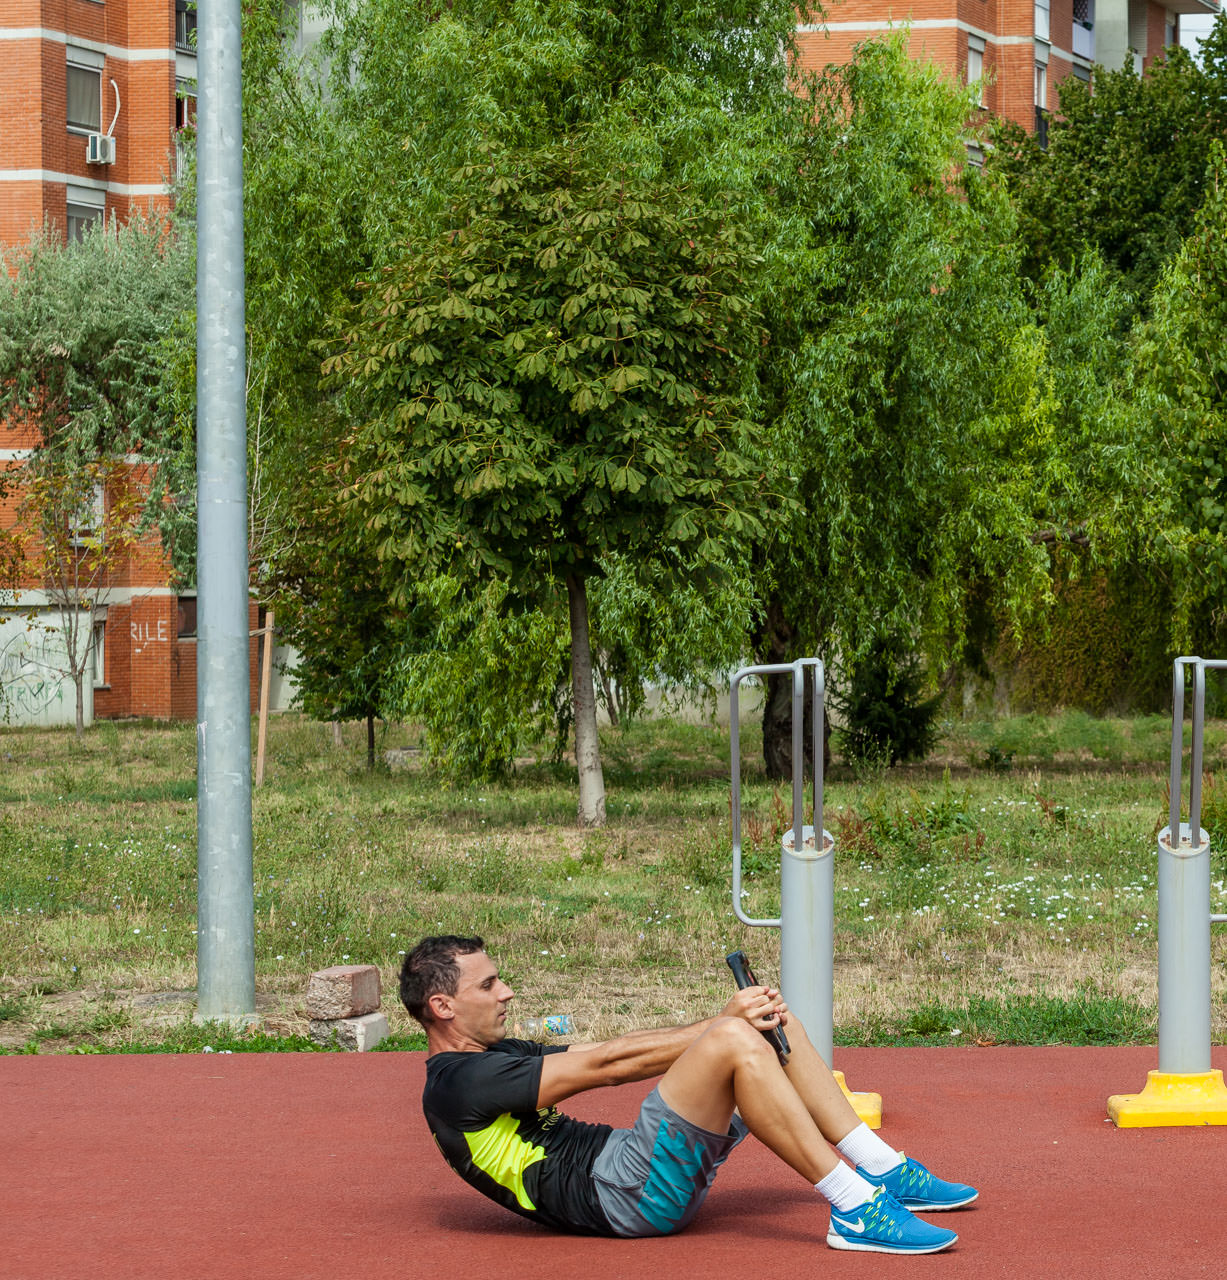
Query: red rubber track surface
314, 1165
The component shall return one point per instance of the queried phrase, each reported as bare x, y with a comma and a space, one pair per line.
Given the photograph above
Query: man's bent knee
733, 1040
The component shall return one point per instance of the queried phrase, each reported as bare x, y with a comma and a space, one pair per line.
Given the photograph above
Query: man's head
452, 987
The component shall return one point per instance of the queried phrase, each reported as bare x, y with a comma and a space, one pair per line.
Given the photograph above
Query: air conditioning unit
99, 149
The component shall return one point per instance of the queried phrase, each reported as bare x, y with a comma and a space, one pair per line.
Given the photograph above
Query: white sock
863, 1147
845, 1188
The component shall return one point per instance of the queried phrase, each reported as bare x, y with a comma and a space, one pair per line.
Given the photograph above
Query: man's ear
440, 1006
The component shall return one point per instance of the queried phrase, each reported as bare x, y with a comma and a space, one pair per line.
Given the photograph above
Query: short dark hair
430, 969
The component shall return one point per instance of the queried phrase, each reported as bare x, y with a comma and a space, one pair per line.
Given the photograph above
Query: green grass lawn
1003, 892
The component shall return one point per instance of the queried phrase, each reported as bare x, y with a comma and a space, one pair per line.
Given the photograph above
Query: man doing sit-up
491, 1103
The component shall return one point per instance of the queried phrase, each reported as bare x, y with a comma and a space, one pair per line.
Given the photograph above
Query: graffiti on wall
149, 632
35, 684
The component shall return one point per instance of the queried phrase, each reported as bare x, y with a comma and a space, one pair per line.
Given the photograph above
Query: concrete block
343, 991
356, 1034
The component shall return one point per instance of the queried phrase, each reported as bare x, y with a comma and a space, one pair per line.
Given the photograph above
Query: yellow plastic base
868, 1106
1172, 1098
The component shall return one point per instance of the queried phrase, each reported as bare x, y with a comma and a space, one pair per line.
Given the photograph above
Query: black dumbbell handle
744, 977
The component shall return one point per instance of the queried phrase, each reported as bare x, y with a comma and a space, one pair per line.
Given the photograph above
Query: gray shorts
651, 1179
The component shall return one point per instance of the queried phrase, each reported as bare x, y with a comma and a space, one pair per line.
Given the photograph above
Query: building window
100, 654
1041, 19
1041, 100
88, 522
185, 119
975, 67
187, 617
185, 25
185, 104
1171, 30
81, 216
1082, 73
84, 96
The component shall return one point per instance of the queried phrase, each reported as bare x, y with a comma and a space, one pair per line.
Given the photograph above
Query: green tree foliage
1181, 389
352, 153
886, 714
905, 380
481, 673
551, 380
331, 607
675, 624
82, 328
1124, 171
83, 380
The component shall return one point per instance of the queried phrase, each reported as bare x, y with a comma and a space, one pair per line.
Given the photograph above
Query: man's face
480, 1003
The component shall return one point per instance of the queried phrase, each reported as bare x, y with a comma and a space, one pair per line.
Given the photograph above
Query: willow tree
905, 382
83, 388
550, 379
1181, 400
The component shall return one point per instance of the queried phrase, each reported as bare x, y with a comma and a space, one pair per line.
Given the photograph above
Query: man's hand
762, 1007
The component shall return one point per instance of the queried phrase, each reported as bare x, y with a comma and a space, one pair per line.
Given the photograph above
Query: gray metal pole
225, 950
1184, 900
807, 890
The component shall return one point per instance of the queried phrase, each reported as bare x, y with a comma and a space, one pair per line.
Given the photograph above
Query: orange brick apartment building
94, 92
1018, 50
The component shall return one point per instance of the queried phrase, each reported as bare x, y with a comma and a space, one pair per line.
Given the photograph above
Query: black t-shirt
482, 1110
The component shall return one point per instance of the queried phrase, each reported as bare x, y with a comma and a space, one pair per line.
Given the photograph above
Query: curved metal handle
735, 751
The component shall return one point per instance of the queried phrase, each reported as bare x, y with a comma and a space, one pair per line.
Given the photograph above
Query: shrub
886, 716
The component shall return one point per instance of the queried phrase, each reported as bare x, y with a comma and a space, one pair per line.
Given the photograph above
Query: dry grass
1032, 888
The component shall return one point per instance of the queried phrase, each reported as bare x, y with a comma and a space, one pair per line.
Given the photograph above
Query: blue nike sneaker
915, 1188
883, 1225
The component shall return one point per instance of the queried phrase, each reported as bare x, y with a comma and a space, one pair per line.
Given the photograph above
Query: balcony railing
1084, 41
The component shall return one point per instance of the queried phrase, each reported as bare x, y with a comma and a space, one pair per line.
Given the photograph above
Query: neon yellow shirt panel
500, 1152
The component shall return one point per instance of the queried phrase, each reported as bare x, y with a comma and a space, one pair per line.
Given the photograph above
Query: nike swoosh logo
858, 1226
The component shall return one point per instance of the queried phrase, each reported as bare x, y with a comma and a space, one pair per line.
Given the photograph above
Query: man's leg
818, 1089
875, 1161
730, 1066
796, 1115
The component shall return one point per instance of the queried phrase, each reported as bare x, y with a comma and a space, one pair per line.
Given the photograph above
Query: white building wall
36, 686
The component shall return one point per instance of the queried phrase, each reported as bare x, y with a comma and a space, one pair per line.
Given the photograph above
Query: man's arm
639, 1055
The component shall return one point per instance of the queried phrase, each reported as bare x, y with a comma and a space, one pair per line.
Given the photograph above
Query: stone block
356, 1034
343, 991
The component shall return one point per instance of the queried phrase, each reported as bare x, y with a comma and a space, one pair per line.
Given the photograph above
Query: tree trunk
611, 704
78, 678
776, 646
79, 669
587, 744
370, 740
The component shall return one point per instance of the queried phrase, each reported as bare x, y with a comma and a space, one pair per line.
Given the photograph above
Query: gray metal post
1185, 1090
225, 954
807, 882
1184, 896
807, 891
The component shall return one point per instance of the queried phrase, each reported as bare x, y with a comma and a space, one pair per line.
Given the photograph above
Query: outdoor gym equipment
1185, 1090
807, 883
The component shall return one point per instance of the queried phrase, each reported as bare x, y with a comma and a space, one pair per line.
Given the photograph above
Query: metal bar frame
1184, 891
807, 895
